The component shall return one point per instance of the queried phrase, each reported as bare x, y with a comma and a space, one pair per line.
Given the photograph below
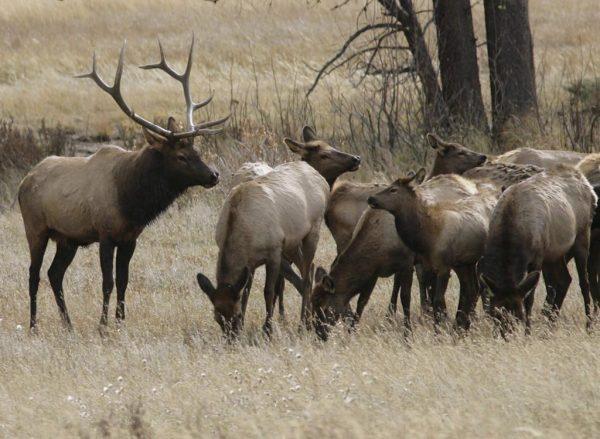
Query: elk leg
65, 252
594, 272
563, 279
272, 277
528, 306
107, 251
246, 294
290, 275
468, 295
551, 282
393, 306
427, 282
363, 298
37, 248
438, 302
406, 280
581, 260
309, 248
279, 295
124, 254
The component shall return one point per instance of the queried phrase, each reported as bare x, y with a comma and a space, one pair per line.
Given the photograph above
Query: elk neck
415, 226
144, 190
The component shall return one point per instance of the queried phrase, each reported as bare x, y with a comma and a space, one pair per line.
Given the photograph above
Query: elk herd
498, 223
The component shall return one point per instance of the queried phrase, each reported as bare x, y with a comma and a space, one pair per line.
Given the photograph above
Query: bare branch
345, 47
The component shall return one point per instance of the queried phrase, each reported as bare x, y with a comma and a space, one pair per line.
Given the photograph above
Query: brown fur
109, 198
447, 232
375, 250
538, 225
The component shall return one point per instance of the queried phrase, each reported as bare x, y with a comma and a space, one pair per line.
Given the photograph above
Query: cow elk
447, 234
111, 196
537, 226
275, 220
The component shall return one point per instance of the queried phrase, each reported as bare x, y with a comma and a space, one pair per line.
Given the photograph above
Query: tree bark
512, 70
459, 70
404, 12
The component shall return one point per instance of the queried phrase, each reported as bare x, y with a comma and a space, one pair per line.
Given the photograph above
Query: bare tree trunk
404, 12
512, 71
459, 70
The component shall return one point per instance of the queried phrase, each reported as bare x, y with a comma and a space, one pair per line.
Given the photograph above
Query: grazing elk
111, 196
590, 168
537, 226
273, 219
446, 234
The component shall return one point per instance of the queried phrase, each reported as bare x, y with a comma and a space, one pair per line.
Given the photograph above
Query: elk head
226, 299
327, 160
453, 158
399, 194
507, 299
173, 145
325, 304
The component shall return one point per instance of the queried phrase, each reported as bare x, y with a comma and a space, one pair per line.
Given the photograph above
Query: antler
184, 79
115, 93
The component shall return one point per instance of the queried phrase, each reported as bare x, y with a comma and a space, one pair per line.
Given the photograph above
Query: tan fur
75, 196
457, 213
590, 167
274, 211
548, 159
249, 171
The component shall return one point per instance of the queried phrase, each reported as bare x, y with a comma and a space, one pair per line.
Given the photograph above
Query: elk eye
182, 158
393, 190
324, 156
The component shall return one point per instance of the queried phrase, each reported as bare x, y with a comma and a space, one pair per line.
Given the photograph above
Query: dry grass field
167, 372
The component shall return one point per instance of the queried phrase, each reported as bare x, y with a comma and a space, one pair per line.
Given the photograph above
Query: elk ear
308, 134
420, 176
172, 125
153, 139
489, 284
295, 147
437, 143
206, 286
528, 283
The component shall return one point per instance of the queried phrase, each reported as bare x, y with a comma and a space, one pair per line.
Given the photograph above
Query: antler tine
115, 93
204, 103
162, 64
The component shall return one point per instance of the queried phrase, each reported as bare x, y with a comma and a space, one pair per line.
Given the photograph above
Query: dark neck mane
144, 191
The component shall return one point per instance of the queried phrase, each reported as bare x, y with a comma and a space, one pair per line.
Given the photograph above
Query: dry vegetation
167, 372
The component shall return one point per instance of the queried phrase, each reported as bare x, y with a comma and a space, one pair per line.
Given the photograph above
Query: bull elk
111, 196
